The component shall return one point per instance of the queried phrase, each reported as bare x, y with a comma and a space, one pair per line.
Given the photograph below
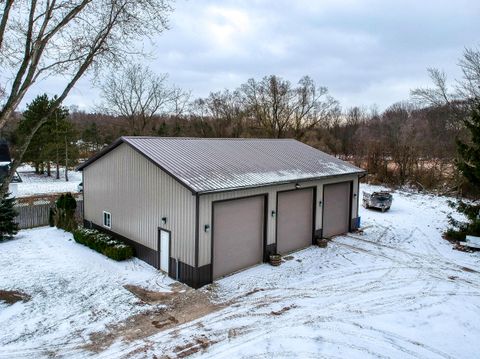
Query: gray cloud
365, 52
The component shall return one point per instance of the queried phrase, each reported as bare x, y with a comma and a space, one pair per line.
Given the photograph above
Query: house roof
218, 164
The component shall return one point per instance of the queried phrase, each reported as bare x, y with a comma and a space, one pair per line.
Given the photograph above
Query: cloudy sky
366, 52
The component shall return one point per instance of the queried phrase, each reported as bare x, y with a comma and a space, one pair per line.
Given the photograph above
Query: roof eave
278, 183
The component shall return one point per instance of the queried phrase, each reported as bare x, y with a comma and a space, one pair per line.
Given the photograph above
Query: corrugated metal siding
138, 194
205, 209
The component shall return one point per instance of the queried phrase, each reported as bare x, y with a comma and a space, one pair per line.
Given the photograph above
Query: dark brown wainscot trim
142, 252
191, 276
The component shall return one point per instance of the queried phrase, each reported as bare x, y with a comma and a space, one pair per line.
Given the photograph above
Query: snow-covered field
396, 291
34, 184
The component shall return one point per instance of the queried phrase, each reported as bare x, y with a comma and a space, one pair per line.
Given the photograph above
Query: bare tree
438, 95
221, 113
278, 107
460, 96
399, 137
469, 86
268, 102
138, 94
40, 38
353, 118
311, 107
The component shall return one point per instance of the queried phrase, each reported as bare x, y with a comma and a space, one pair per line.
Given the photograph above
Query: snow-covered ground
34, 184
74, 291
396, 291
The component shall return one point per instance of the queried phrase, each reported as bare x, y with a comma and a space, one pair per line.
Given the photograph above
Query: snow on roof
219, 164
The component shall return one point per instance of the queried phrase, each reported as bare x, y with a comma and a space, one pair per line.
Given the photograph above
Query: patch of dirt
148, 296
457, 246
288, 258
283, 310
180, 306
256, 290
470, 270
13, 296
198, 344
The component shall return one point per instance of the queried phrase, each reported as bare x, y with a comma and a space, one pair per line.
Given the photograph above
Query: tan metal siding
138, 194
205, 208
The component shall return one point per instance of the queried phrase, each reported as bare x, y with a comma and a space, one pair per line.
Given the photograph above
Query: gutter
363, 174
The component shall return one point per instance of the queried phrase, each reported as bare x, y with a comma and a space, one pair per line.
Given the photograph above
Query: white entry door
164, 250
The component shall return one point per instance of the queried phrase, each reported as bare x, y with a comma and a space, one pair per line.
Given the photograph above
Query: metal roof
221, 164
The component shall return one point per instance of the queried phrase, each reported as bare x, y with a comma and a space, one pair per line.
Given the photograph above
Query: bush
455, 235
103, 243
473, 228
119, 252
63, 215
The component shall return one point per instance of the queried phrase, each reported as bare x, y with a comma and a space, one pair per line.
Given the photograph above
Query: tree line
411, 142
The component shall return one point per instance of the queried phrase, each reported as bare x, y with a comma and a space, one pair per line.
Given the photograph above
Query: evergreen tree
91, 136
162, 130
8, 227
469, 160
468, 164
54, 141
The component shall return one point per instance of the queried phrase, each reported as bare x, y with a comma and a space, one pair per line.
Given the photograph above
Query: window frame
109, 216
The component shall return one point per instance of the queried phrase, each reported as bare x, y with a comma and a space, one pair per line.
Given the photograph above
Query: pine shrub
8, 226
103, 243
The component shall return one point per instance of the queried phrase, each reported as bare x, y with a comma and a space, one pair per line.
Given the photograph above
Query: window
107, 219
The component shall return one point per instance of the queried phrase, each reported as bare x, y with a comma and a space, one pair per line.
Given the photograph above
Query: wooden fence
34, 211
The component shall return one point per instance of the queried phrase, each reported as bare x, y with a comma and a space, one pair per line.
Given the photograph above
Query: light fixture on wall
164, 220
297, 185
207, 228
274, 214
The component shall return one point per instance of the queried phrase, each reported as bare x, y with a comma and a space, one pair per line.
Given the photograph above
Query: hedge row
455, 235
103, 243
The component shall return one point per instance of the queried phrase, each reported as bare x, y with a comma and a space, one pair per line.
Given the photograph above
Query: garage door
294, 220
237, 234
336, 209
